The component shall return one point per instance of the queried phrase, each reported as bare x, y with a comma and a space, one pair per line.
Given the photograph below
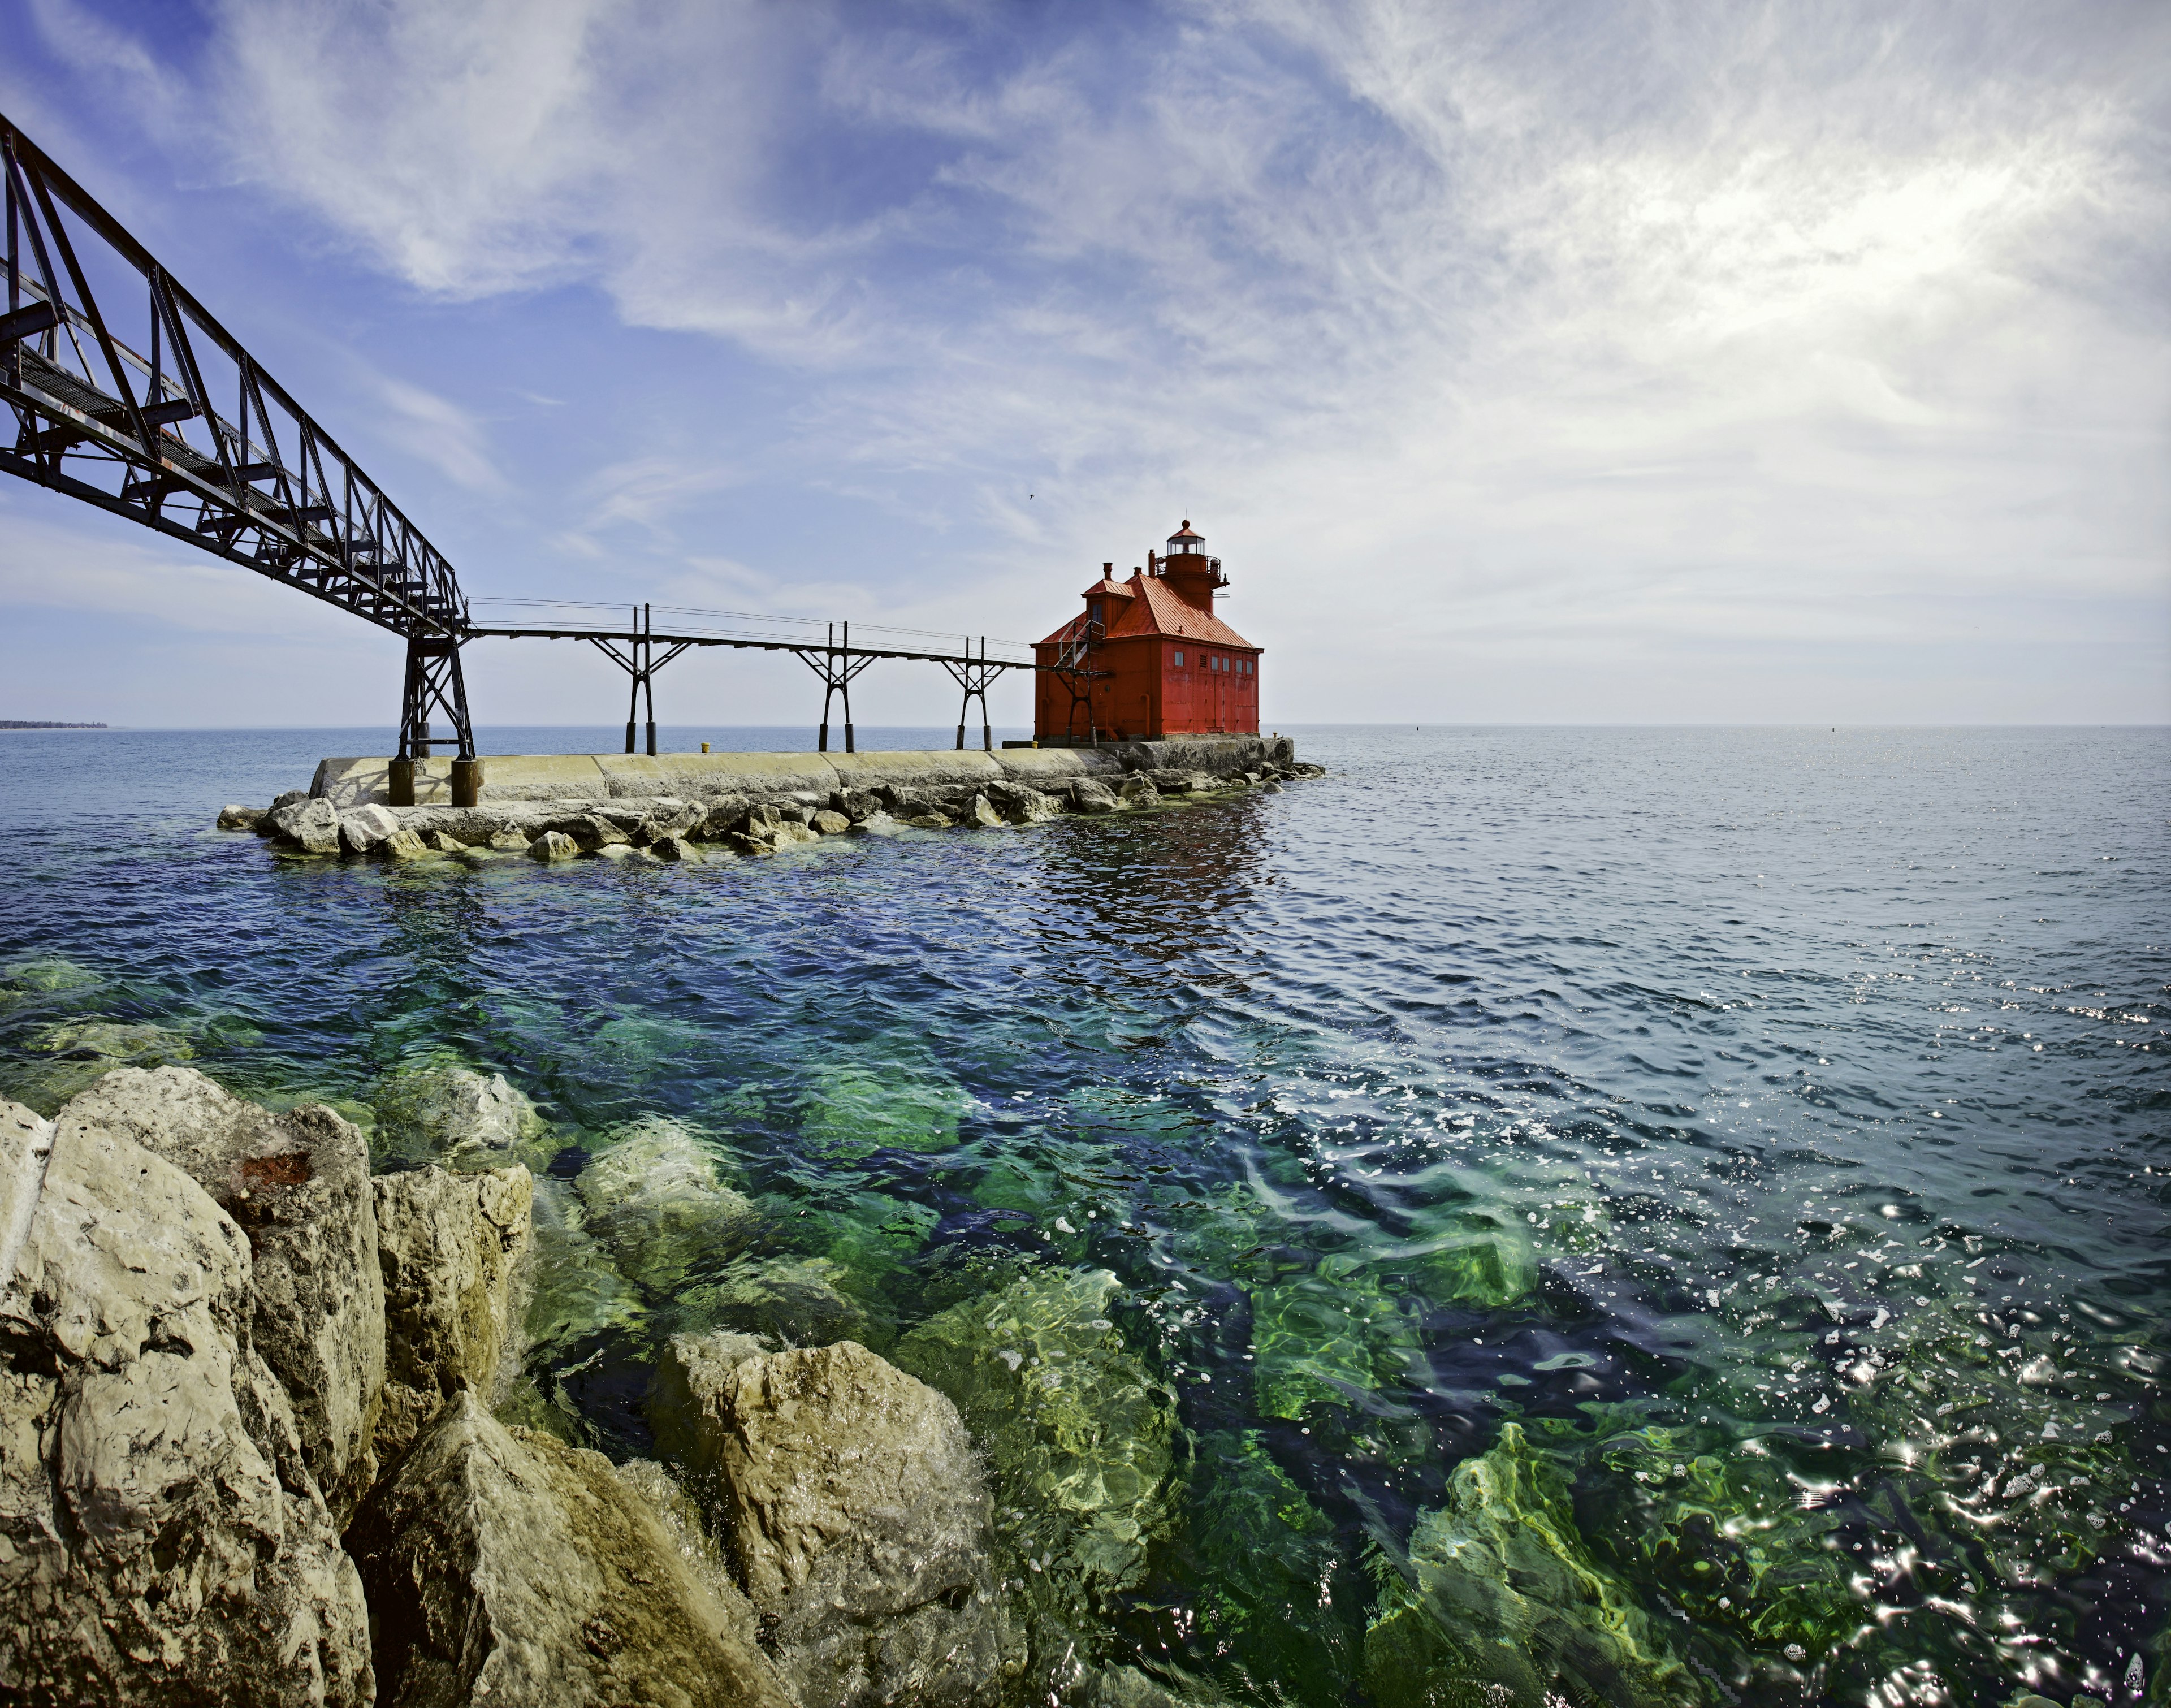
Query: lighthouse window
1179, 661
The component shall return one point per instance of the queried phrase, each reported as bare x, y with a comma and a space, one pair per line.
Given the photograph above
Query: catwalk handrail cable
128, 424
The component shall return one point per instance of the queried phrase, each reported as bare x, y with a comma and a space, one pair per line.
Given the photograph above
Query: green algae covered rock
1499, 1601
795, 1301
1080, 1436
1266, 1563
116, 1040
848, 1112
577, 1304
446, 1112
1489, 1262
1331, 1336
46, 976
1726, 1537
655, 1197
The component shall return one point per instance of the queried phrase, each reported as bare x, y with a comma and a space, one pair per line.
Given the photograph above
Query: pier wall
508, 779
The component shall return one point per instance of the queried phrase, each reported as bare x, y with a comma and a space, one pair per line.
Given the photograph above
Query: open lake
1669, 1215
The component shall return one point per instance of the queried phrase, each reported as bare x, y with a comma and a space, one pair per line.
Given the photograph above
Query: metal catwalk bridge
128, 394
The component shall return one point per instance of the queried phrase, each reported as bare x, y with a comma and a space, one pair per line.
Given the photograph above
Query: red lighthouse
1148, 657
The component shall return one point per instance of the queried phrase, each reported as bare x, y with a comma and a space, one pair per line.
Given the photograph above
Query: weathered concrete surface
164, 1541
561, 779
453, 1251
860, 1517
507, 1570
298, 1183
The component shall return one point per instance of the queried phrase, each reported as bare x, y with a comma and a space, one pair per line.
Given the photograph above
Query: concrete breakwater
694, 806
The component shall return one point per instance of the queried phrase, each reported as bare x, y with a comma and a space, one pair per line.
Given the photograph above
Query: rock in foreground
451, 1249
507, 1569
861, 1519
164, 1542
298, 1185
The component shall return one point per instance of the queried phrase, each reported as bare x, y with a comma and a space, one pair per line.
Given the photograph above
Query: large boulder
162, 1539
1079, 1432
1090, 795
504, 1568
443, 1111
859, 1518
1021, 803
655, 1197
364, 830
453, 1251
298, 1184
236, 817
311, 826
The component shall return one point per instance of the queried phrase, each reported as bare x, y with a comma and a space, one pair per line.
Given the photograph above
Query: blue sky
1525, 362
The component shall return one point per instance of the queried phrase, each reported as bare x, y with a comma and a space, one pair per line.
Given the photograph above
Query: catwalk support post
435, 684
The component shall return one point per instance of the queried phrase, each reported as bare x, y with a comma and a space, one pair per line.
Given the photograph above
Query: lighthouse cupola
1192, 575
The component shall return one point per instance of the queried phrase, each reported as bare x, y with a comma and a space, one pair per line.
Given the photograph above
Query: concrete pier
695, 806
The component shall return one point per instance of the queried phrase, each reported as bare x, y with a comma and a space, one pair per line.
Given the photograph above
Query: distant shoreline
25, 724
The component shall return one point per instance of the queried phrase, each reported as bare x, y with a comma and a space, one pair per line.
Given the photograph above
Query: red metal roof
1153, 608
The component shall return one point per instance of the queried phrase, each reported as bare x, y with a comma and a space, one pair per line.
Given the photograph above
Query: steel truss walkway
144, 405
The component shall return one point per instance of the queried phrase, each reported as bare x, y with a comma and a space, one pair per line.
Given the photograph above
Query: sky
1587, 361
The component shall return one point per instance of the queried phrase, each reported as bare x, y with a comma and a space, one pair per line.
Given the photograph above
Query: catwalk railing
128, 394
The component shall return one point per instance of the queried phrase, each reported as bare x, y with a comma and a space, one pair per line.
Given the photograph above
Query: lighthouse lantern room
1147, 657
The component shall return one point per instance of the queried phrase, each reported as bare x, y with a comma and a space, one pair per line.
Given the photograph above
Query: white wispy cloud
1707, 328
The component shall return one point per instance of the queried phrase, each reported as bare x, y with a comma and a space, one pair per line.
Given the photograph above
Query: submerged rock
298, 1184
1079, 1434
848, 1112
165, 1538
655, 1197
444, 1111
675, 849
859, 1516
505, 1567
799, 1301
451, 1250
1497, 1594
114, 1041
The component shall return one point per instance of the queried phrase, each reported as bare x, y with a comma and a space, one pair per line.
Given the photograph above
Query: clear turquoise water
1769, 1125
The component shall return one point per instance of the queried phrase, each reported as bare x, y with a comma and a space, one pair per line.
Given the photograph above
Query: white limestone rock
453, 1252
311, 826
507, 1570
859, 1518
164, 1540
298, 1184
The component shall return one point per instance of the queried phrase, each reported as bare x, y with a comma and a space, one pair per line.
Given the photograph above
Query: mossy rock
847, 1113
116, 1042
793, 1301
1081, 1435
1499, 1593
654, 1194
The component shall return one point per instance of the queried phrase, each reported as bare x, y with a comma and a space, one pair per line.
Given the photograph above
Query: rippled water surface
1661, 1216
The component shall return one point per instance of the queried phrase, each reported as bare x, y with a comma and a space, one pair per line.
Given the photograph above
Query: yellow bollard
705, 746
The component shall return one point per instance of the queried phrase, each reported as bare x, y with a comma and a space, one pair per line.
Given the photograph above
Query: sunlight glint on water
1737, 1157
